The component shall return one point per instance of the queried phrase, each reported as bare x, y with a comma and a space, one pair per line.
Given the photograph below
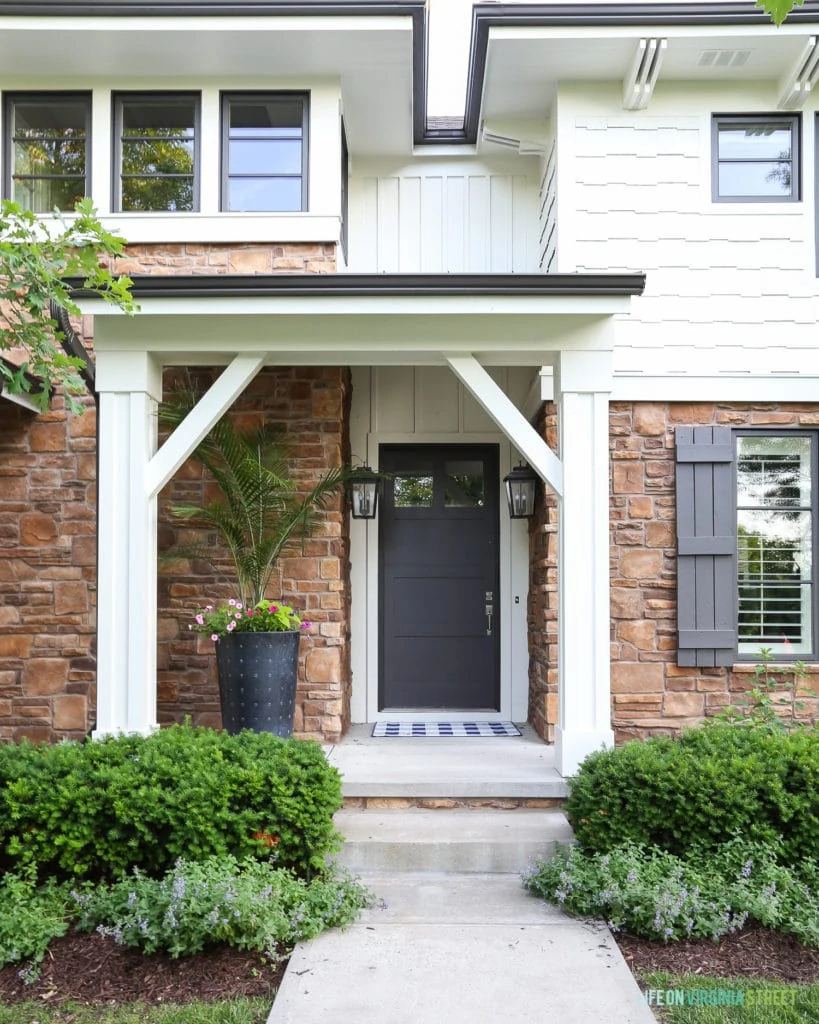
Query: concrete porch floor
517, 767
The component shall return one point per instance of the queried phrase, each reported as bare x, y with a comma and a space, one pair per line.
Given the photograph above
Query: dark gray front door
438, 576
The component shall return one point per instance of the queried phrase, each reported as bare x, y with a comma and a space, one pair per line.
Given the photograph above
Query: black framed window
157, 166
776, 540
755, 158
264, 152
48, 149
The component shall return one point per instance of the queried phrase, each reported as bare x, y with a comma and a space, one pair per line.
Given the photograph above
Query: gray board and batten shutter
706, 547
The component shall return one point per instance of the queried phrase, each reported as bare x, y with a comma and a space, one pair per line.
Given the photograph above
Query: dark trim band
316, 285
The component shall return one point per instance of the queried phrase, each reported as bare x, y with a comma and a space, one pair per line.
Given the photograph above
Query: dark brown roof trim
415, 9
422, 285
209, 8
709, 12
485, 15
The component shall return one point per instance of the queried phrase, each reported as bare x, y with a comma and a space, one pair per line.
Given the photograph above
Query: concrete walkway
450, 948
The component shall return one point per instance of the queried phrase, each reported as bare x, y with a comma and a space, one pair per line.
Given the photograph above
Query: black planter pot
257, 681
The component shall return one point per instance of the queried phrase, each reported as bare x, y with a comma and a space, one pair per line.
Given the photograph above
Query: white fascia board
394, 306
771, 387
587, 33
722, 387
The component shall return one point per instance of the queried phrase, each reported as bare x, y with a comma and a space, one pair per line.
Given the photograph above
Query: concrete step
517, 768
433, 897
460, 840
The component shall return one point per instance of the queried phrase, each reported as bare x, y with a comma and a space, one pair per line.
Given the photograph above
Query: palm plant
259, 508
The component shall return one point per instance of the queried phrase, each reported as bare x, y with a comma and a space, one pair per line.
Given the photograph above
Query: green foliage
694, 793
656, 895
249, 905
760, 707
34, 261
763, 1002
230, 618
260, 508
234, 1011
30, 917
95, 810
779, 9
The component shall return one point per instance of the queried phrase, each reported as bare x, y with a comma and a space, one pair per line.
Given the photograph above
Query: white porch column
583, 382
130, 386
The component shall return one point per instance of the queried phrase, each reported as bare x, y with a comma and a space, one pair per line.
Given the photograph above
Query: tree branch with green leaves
36, 258
778, 9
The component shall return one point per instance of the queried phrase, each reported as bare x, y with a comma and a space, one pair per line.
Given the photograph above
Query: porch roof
365, 319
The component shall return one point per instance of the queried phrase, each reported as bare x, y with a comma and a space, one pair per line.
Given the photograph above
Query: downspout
73, 346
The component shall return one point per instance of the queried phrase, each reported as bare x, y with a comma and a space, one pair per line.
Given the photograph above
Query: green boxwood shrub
98, 809
698, 791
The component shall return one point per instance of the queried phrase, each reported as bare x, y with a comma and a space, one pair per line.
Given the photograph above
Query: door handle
489, 611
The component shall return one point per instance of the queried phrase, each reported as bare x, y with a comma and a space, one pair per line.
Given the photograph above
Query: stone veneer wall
651, 694
542, 609
48, 542
312, 404
47, 571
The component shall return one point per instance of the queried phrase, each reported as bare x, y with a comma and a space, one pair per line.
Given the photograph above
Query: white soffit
524, 65
371, 56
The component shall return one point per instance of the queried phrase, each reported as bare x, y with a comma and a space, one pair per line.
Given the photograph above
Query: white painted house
605, 267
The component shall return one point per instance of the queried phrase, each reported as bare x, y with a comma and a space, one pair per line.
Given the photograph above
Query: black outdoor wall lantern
521, 486
364, 486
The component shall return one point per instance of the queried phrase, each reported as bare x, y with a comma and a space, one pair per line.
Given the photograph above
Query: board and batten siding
735, 280
444, 217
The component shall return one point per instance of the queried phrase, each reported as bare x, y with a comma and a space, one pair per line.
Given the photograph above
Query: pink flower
232, 602
200, 620
231, 626
238, 604
208, 607
214, 636
273, 608
238, 615
306, 625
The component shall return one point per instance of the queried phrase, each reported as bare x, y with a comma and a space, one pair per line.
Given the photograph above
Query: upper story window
48, 146
776, 516
157, 165
755, 158
264, 152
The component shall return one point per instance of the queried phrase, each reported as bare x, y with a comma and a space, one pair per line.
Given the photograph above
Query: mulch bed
87, 968
752, 953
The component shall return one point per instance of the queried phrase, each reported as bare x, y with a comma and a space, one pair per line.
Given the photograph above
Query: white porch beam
583, 382
207, 411
796, 85
509, 418
638, 86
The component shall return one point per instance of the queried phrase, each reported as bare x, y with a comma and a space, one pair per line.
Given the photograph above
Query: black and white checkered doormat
445, 729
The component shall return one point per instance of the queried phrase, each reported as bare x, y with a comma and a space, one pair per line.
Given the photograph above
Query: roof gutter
363, 285
73, 347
